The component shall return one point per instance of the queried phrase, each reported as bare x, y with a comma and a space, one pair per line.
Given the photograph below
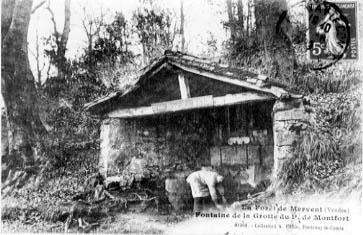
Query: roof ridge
239, 76
179, 54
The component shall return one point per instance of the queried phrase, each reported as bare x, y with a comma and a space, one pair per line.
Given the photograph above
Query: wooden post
228, 122
184, 86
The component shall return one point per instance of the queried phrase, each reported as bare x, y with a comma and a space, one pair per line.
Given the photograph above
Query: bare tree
18, 88
66, 27
37, 58
61, 39
38, 6
249, 18
231, 19
182, 26
240, 18
92, 27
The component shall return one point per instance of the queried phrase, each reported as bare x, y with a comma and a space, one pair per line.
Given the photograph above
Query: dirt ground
152, 223
129, 223
348, 195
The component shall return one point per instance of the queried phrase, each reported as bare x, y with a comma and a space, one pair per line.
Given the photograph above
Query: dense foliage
70, 150
113, 46
155, 31
330, 143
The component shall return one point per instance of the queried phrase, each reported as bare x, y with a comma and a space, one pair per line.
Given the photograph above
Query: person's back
197, 184
203, 186
208, 177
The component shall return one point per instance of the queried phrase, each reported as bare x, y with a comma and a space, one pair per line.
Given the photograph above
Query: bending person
206, 185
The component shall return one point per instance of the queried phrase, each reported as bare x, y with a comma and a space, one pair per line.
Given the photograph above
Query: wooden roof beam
189, 104
276, 91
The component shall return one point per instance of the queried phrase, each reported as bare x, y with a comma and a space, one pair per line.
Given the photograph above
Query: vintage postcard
181, 117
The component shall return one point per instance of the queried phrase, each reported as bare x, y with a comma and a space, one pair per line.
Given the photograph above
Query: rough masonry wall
150, 147
177, 143
288, 115
112, 142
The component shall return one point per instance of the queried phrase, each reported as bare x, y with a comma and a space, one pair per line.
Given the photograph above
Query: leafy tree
82, 82
155, 31
113, 46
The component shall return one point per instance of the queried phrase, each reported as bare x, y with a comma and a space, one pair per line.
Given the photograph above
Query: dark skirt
203, 204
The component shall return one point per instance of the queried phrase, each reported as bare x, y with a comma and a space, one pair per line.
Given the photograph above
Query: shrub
332, 141
332, 80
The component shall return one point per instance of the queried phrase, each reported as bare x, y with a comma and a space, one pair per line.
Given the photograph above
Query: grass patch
330, 144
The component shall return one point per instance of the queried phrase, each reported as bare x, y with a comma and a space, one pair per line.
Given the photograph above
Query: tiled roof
238, 76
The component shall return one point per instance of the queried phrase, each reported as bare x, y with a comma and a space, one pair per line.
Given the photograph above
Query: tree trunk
240, 18
231, 21
182, 26
18, 88
279, 54
59, 60
62, 43
7, 8
249, 17
37, 59
66, 29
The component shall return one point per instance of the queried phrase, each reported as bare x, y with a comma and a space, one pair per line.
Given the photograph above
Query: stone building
183, 111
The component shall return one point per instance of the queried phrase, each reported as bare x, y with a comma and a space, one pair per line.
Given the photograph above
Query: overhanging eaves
235, 76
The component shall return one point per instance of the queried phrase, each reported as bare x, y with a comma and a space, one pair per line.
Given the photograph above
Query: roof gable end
192, 64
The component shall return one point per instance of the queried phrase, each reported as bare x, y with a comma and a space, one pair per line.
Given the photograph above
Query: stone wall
290, 119
113, 142
170, 141
156, 145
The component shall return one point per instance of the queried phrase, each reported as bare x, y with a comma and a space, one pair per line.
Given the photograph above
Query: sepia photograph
181, 117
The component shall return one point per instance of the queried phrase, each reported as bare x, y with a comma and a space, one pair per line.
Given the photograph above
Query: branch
66, 28
84, 19
52, 18
48, 70
85, 27
32, 52
43, 66
98, 28
99, 22
37, 6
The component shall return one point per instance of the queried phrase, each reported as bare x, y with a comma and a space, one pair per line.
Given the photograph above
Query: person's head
206, 166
